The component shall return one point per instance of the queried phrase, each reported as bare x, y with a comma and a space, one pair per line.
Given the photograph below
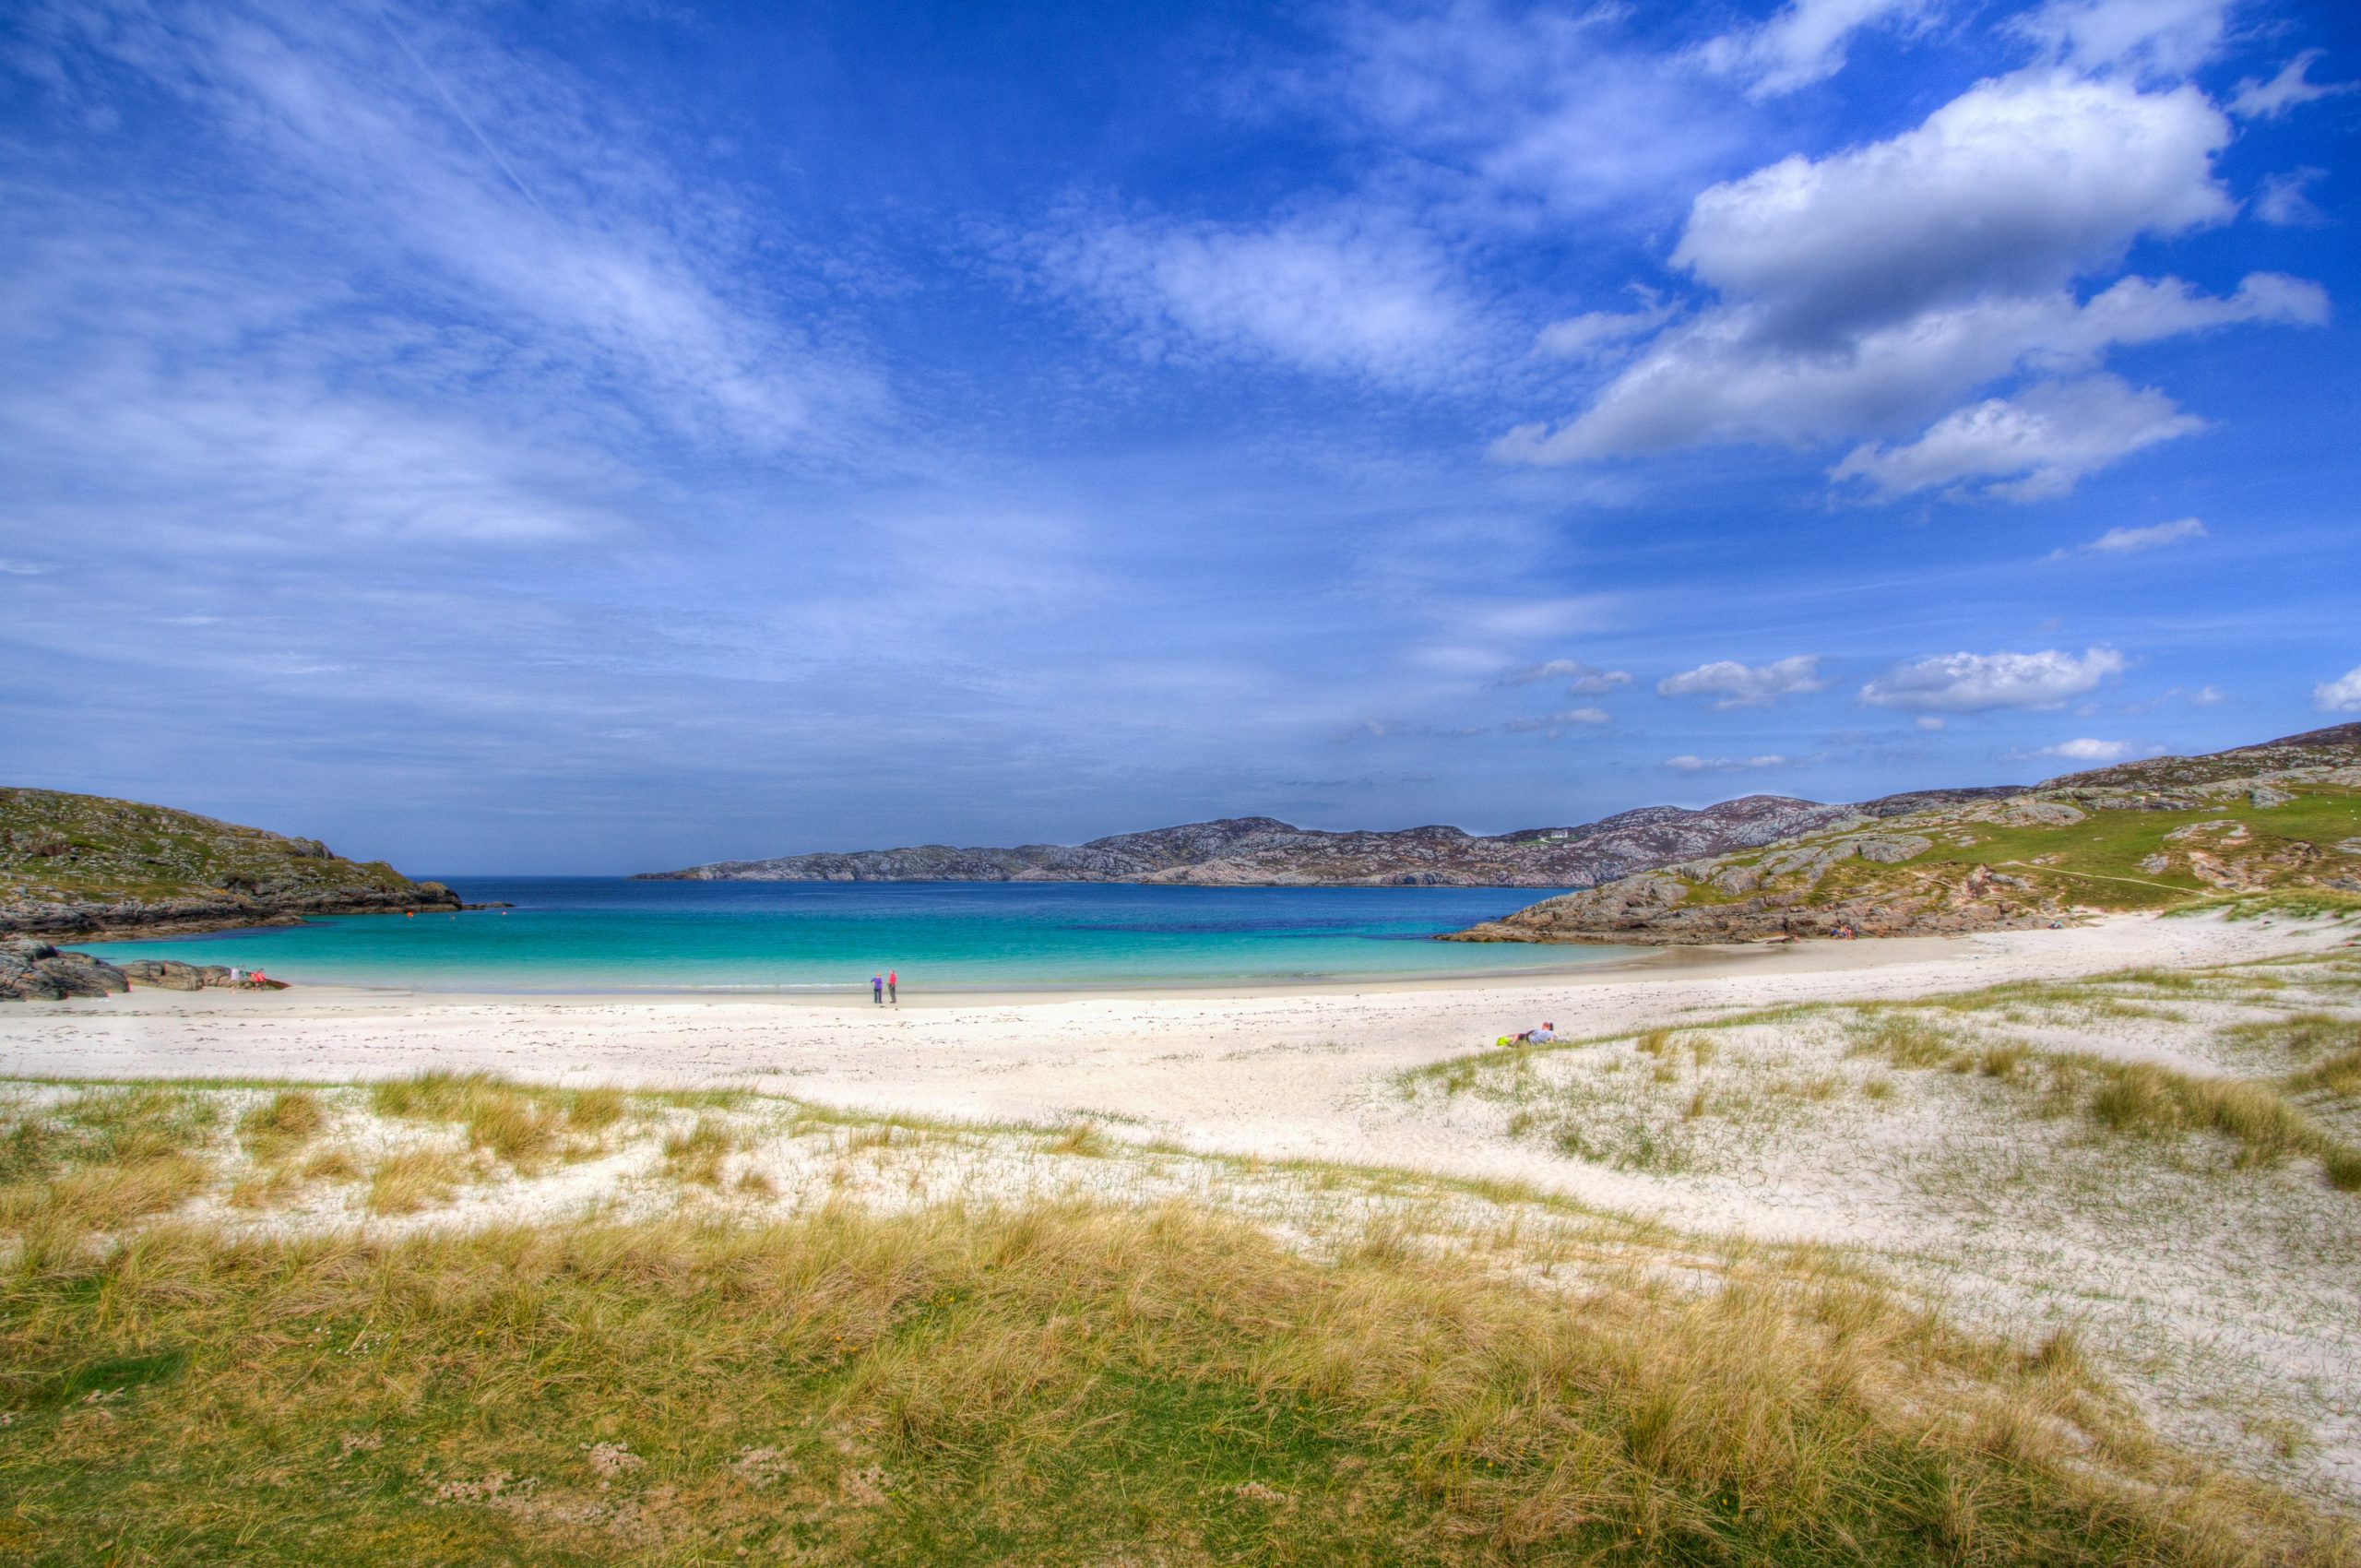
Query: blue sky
602, 437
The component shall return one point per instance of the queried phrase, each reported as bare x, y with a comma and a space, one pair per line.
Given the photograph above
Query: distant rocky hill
1263, 852
2283, 815
90, 867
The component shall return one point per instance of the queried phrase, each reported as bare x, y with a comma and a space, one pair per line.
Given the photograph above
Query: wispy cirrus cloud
1802, 42
1690, 764
1581, 680
2255, 99
1348, 292
2133, 541
1555, 725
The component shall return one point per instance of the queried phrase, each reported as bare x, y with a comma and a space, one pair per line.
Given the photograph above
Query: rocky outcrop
124, 919
90, 867
34, 971
1928, 870
1264, 851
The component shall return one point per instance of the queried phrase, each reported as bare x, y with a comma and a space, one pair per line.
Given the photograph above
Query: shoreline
1693, 960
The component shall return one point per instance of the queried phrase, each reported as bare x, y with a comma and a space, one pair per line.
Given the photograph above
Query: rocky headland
93, 868
1261, 851
2285, 814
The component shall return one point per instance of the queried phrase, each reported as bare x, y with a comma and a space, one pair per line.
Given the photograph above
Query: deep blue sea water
608, 933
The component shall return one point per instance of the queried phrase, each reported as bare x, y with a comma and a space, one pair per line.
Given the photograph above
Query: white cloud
21, 569
2164, 38
2255, 100
2282, 201
2208, 696
1927, 721
1555, 724
1343, 292
2088, 750
1977, 683
1741, 686
2340, 695
1685, 764
2033, 445
1594, 332
2124, 542
1581, 680
1803, 43
1869, 290
2017, 184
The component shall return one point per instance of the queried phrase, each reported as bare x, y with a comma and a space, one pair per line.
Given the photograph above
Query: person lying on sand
1541, 1036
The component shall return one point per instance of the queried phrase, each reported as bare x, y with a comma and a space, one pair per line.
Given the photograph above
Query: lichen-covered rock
34, 971
1891, 850
171, 974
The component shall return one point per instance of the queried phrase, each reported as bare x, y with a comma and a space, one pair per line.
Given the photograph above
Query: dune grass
1062, 1384
526, 1125
281, 1124
99, 1161
2136, 1099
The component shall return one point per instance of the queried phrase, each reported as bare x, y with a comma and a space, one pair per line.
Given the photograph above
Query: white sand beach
1278, 1072
2224, 1296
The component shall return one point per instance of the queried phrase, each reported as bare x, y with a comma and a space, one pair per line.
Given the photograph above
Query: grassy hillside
2283, 818
88, 850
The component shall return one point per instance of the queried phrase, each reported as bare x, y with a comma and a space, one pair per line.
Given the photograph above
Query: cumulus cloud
1581, 680
2257, 100
2088, 750
2126, 542
2340, 695
1685, 764
2033, 445
1342, 291
1803, 42
1742, 686
1977, 682
1869, 288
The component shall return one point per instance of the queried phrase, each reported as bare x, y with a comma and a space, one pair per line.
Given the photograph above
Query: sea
611, 935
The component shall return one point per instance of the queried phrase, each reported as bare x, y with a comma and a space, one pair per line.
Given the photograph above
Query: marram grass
1054, 1385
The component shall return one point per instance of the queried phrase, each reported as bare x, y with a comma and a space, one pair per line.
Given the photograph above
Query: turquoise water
607, 934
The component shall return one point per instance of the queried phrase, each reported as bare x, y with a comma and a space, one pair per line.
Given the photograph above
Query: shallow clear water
608, 933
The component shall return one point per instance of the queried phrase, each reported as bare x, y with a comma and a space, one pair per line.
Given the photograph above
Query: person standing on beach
893, 988
877, 990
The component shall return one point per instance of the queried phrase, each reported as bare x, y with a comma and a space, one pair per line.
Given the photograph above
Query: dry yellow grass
284, 1121
1062, 1385
413, 1179
696, 1154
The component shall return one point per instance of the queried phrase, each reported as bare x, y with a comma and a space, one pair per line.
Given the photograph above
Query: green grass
90, 847
1064, 1385
2285, 903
